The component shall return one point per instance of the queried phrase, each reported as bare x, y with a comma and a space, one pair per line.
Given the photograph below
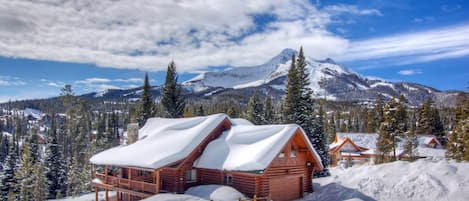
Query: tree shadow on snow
335, 191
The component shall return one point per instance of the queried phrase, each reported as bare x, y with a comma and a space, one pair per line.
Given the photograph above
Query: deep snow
201, 193
420, 180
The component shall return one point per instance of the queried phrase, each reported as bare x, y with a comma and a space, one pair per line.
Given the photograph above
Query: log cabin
172, 155
360, 148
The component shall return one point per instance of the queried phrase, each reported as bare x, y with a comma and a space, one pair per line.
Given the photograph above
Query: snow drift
421, 180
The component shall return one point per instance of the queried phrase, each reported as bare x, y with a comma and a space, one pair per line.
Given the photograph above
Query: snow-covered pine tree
39, 182
146, 106
268, 111
34, 145
172, 99
458, 141
292, 94
254, 110
402, 113
54, 165
74, 184
24, 173
388, 134
411, 142
8, 185
306, 117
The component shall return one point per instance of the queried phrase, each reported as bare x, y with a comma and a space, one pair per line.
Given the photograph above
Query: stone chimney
132, 133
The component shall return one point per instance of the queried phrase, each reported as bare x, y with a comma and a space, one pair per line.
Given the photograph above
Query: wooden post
97, 191
105, 173
130, 177
107, 195
157, 181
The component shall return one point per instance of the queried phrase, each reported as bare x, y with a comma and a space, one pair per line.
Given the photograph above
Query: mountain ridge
328, 80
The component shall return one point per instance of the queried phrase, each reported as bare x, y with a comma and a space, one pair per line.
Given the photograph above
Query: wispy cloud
11, 81
409, 48
410, 72
99, 84
351, 9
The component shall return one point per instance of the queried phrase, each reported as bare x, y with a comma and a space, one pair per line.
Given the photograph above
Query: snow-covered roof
239, 121
161, 141
248, 148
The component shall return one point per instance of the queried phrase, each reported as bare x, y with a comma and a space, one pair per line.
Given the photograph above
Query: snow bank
420, 180
248, 148
201, 193
215, 192
161, 141
173, 197
88, 197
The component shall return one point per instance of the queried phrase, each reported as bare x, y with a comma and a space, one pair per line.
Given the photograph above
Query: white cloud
11, 81
148, 34
352, 9
409, 48
410, 72
418, 20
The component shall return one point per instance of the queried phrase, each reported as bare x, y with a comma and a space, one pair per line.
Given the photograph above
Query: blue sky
95, 45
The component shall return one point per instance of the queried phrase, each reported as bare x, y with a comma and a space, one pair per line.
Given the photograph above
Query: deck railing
139, 186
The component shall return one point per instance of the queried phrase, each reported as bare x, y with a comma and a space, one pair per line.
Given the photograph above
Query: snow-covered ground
420, 180
202, 193
423, 180
87, 197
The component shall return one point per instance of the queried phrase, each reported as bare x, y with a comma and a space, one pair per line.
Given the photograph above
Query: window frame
191, 175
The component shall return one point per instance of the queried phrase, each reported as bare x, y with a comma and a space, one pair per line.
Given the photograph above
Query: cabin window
293, 152
191, 175
282, 154
228, 179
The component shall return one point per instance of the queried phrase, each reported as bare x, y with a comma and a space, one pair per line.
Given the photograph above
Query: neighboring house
172, 155
361, 148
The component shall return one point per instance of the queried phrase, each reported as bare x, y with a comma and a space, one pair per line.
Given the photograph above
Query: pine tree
292, 93
254, 111
54, 168
268, 111
26, 181
389, 132
146, 106
411, 142
172, 99
8, 185
74, 184
40, 183
425, 118
306, 117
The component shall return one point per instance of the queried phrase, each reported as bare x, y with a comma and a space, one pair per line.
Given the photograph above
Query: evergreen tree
8, 185
26, 181
200, 111
254, 111
388, 133
332, 130
425, 118
74, 184
411, 142
458, 142
172, 99
54, 168
292, 93
146, 106
268, 111
40, 183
